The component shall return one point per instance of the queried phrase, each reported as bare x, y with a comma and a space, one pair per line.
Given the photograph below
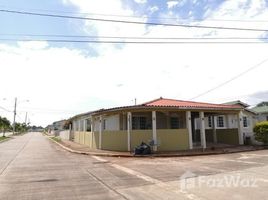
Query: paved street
32, 167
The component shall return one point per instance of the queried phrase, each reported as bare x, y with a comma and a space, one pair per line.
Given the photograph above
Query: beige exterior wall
76, 137
172, 139
114, 140
86, 137
138, 136
95, 141
169, 139
81, 137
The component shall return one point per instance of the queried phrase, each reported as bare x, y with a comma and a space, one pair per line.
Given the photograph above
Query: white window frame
88, 124
248, 122
207, 122
223, 120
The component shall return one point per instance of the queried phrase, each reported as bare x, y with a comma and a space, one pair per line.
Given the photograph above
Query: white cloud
172, 4
153, 9
141, 1
33, 45
64, 79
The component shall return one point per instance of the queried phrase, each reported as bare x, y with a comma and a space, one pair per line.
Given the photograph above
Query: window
104, 125
266, 118
220, 121
142, 123
88, 125
245, 122
210, 121
174, 122
139, 123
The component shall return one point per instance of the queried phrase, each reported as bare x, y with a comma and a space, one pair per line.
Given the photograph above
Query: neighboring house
56, 127
167, 123
262, 111
59, 125
248, 120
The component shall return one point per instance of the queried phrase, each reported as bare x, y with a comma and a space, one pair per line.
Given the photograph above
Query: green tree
21, 127
4, 124
261, 132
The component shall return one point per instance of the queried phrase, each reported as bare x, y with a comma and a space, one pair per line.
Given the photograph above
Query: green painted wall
172, 139
209, 135
114, 140
138, 136
227, 136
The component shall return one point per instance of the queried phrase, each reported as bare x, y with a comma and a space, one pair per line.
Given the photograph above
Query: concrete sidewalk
83, 149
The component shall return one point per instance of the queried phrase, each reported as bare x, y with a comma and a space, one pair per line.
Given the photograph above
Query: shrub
261, 132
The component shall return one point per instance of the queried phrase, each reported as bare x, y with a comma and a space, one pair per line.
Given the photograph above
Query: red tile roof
161, 102
173, 103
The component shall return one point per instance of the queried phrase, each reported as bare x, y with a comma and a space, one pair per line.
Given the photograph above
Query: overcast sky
64, 79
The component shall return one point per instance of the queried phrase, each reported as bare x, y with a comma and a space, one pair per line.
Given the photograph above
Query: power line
131, 37
132, 22
231, 79
5, 109
134, 42
139, 17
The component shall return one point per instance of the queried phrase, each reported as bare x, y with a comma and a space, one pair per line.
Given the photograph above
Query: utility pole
26, 118
15, 112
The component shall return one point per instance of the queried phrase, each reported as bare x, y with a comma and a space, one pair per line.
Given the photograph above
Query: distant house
59, 125
56, 127
168, 124
262, 111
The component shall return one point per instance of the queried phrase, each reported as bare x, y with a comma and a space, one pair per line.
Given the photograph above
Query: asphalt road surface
33, 167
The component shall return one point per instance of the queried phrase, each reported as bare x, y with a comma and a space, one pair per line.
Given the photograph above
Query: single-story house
261, 110
167, 124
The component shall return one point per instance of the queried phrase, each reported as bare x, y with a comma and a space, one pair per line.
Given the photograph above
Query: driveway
32, 167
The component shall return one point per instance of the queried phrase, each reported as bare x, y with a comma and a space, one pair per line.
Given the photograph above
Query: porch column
154, 130
84, 131
189, 127
85, 125
202, 130
92, 131
74, 126
214, 122
129, 128
100, 131
240, 128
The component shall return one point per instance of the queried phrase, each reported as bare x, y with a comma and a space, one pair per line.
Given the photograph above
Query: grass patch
3, 138
57, 139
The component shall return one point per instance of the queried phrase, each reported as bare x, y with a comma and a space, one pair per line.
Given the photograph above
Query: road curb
148, 156
89, 153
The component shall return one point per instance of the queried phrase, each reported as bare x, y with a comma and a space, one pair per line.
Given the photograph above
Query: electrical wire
137, 17
231, 79
131, 22
134, 42
5, 109
131, 37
